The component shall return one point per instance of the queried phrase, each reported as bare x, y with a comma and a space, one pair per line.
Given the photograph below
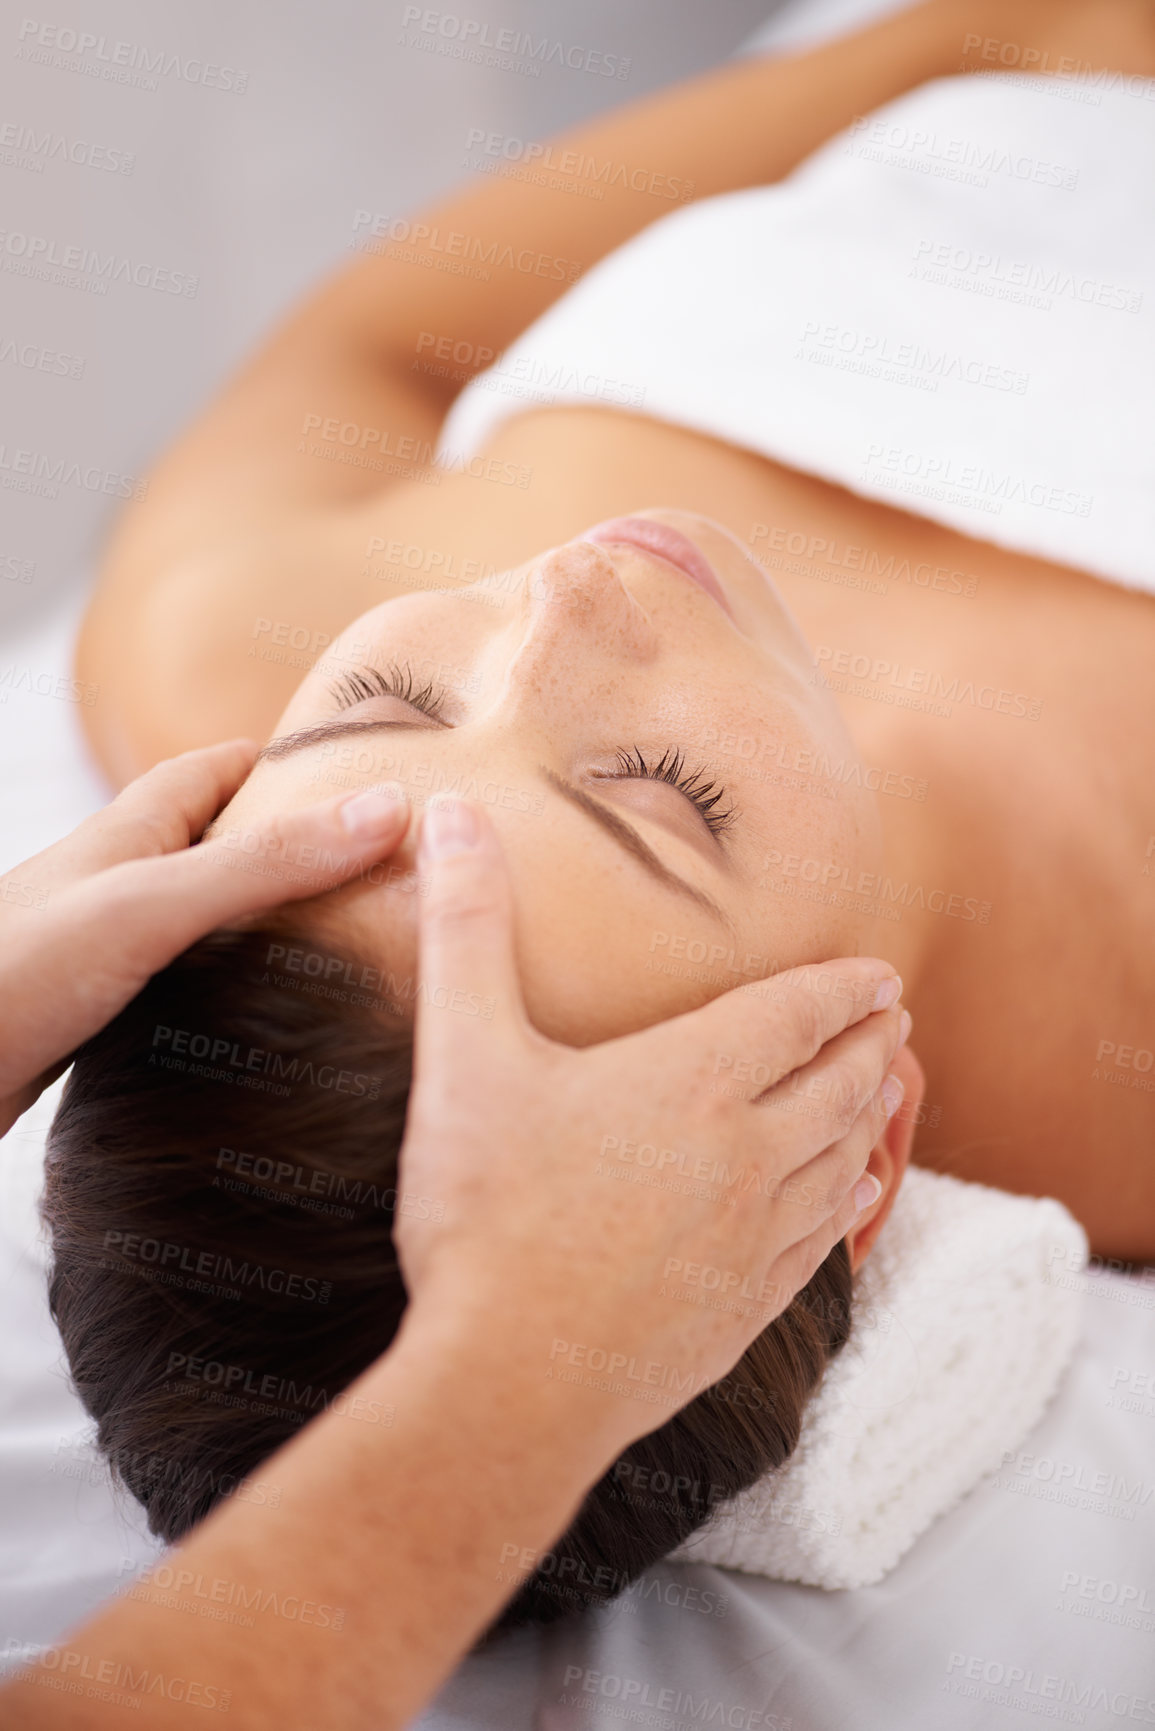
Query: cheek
598, 960
589, 982
815, 854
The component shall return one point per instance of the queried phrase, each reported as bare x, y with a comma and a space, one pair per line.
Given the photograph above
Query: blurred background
217, 154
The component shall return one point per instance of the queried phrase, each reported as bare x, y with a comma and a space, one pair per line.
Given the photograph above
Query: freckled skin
1038, 826
600, 650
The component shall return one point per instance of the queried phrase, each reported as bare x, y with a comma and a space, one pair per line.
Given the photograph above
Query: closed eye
709, 797
362, 683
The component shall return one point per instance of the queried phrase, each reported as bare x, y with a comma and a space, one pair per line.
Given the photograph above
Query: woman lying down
738, 693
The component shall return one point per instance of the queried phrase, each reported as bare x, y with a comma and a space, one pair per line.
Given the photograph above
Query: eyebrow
627, 837
622, 832
288, 743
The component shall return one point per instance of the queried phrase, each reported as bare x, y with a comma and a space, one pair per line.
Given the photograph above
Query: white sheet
991, 1582
1006, 1582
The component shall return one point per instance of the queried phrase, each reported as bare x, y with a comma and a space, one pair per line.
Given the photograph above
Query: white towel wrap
949, 307
961, 1331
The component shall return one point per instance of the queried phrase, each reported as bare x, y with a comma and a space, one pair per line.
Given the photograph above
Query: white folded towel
959, 1338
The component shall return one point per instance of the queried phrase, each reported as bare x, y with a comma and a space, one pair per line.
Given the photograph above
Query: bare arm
391, 1541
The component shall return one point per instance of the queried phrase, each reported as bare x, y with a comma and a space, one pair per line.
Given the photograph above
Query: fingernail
904, 1026
371, 813
866, 1191
892, 1094
448, 828
888, 993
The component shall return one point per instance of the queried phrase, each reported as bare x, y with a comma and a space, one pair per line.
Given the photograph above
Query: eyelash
396, 681
707, 795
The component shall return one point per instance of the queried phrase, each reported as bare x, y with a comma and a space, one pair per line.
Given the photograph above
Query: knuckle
133, 825
162, 774
155, 803
457, 909
865, 1067
461, 896
841, 1087
807, 1019
713, 1105
839, 1171
844, 1173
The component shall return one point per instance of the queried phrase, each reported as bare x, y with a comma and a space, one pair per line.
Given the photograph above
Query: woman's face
667, 782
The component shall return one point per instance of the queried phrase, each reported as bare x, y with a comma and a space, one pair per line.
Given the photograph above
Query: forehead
600, 950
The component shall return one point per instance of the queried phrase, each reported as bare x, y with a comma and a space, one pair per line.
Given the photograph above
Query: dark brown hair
220, 1190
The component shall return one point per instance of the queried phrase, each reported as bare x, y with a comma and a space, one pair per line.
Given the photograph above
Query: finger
820, 1188
831, 1194
99, 940
163, 810
842, 1190
469, 982
832, 1113
773, 1027
835, 1085
173, 803
791, 1271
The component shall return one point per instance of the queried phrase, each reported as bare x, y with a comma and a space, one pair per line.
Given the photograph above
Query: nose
580, 608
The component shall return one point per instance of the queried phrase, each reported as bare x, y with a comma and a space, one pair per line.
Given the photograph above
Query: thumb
468, 974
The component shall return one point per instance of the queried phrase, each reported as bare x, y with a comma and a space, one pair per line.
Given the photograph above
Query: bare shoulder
1061, 38
214, 646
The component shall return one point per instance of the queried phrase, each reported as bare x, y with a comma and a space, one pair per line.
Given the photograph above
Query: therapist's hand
85, 923
543, 1230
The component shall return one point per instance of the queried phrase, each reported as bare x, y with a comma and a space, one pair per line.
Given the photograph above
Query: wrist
505, 1371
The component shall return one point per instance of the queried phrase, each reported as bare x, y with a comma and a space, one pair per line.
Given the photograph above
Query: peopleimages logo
38, 472
69, 50
476, 39
32, 254
211, 1265
225, 1054
547, 164
169, 1584
1014, 279
115, 1680
24, 147
36, 358
453, 249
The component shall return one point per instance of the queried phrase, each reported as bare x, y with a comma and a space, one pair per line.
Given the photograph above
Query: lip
666, 544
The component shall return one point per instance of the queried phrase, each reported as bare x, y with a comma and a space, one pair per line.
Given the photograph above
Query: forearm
382, 1561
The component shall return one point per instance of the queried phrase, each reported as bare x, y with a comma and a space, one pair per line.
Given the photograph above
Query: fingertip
240, 747
891, 1095
375, 814
866, 1193
450, 827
